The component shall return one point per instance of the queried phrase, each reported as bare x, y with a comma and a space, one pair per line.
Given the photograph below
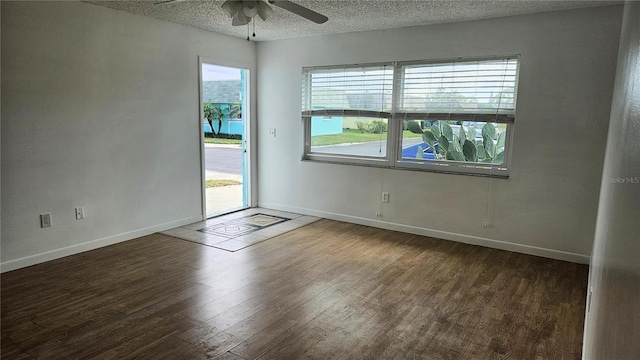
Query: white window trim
459, 167
395, 121
339, 158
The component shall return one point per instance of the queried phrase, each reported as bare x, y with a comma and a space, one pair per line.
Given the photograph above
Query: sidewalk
223, 198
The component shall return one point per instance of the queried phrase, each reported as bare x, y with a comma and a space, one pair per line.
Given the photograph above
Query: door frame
249, 166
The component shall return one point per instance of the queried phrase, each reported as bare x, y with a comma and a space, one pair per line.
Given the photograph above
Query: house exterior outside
224, 93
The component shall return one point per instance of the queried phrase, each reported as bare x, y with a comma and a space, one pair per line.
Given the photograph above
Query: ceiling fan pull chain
254, 27
248, 39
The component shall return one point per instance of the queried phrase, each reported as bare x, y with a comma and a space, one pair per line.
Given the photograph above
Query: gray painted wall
548, 206
0, 134
99, 109
613, 321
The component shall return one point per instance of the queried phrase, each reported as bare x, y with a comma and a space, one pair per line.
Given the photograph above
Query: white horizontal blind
478, 90
352, 91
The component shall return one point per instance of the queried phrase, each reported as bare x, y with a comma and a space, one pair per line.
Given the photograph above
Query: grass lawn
353, 136
222, 141
219, 183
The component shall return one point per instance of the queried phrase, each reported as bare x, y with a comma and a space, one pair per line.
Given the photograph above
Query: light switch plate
45, 220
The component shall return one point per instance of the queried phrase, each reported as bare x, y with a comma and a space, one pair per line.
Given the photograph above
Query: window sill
385, 165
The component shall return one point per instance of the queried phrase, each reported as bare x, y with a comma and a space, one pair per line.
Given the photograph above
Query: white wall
0, 134
613, 322
547, 207
99, 109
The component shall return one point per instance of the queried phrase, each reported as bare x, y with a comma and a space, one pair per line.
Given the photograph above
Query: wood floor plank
326, 290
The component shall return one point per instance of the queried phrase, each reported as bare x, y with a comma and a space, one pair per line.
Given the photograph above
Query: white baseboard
467, 239
93, 244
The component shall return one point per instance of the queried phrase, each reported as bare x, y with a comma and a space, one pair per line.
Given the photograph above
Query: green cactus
430, 139
435, 130
447, 131
470, 152
464, 146
414, 127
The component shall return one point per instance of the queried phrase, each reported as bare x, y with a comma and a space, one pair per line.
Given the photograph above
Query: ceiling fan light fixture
249, 8
240, 19
242, 12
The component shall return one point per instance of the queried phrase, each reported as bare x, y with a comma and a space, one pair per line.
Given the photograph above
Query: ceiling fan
243, 11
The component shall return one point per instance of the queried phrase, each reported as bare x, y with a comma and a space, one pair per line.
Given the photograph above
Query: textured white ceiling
344, 16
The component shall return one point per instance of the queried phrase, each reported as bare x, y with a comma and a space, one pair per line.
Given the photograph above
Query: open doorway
224, 103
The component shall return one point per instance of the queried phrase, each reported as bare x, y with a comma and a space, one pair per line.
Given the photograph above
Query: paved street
374, 148
223, 159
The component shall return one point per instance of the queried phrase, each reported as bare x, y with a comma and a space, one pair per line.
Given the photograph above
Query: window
347, 112
349, 135
453, 116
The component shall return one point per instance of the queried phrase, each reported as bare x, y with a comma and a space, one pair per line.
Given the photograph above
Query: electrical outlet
45, 220
79, 213
378, 214
385, 197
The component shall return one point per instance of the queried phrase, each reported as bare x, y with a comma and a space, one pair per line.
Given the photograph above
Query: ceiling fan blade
166, 2
300, 10
264, 10
231, 7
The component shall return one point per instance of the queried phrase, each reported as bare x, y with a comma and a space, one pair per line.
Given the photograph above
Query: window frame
459, 167
395, 120
345, 158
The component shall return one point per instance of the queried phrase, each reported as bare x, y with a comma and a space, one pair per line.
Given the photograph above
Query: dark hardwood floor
329, 290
